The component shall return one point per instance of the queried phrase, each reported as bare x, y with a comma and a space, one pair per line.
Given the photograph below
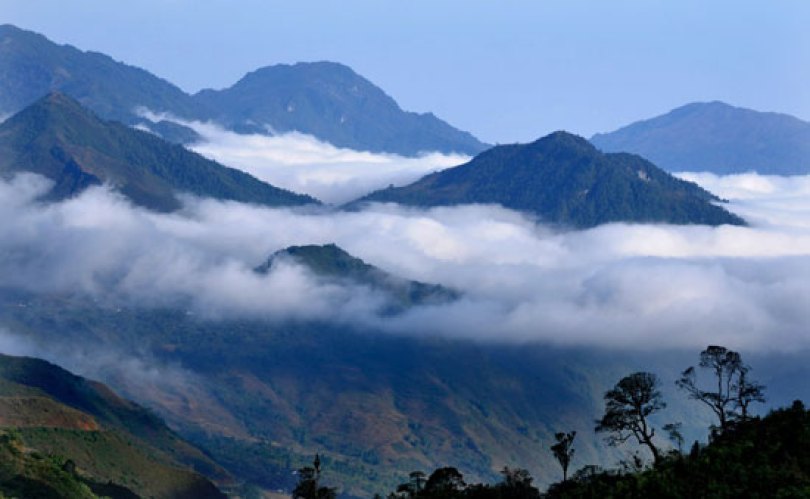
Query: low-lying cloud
302, 163
617, 285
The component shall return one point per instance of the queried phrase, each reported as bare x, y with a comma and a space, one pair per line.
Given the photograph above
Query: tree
417, 481
414, 486
564, 450
628, 406
307, 487
747, 392
674, 433
734, 391
517, 484
445, 483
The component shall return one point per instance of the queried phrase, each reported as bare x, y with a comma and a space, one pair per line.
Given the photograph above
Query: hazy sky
508, 70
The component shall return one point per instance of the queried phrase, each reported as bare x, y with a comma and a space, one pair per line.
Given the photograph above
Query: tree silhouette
734, 391
444, 483
564, 450
627, 407
307, 487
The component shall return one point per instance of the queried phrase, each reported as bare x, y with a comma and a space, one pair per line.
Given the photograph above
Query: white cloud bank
302, 163
615, 285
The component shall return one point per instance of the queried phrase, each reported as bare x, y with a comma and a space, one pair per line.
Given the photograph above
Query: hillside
372, 404
331, 263
335, 104
111, 442
760, 458
565, 180
57, 138
31, 66
716, 137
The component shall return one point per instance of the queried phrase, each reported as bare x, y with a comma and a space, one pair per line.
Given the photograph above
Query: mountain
331, 263
719, 138
100, 443
376, 405
565, 180
31, 66
327, 100
57, 138
335, 104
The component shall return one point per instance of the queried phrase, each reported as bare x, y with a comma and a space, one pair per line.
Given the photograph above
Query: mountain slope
565, 180
335, 104
57, 138
327, 100
719, 138
109, 439
32, 66
331, 263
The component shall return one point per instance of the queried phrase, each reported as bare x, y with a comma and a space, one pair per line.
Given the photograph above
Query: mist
302, 163
616, 286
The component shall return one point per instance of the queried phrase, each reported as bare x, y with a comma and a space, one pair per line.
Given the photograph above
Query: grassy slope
109, 439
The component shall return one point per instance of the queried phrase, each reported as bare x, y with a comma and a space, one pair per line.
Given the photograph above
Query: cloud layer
616, 285
302, 163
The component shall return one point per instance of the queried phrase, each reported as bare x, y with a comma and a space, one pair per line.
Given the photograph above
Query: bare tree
734, 391
747, 392
564, 450
628, 407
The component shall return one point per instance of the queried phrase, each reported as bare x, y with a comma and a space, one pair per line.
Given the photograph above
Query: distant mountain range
565, 180
327, 100
98, 441
331, 263
31, 66
719, 138
57, 138
332, 102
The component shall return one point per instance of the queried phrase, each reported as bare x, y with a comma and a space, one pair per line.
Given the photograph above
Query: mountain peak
332, 102
561, 138
332, 263
565, 180
57, 138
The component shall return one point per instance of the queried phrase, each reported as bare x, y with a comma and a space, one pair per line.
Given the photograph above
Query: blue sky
508, 70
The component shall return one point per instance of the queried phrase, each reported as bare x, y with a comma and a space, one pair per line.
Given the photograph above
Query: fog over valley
617, 285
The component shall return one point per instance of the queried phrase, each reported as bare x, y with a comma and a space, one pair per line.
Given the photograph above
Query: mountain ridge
31, 66
565, 180
332, 102
330, 262
718, 138
57, 138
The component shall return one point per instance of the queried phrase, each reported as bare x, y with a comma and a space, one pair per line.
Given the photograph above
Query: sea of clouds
302, 163
617, 285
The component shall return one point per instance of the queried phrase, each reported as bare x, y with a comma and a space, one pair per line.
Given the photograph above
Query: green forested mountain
65, 436
335, 104
331, 263
31, 66
57, 138
565, 180
716, 137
